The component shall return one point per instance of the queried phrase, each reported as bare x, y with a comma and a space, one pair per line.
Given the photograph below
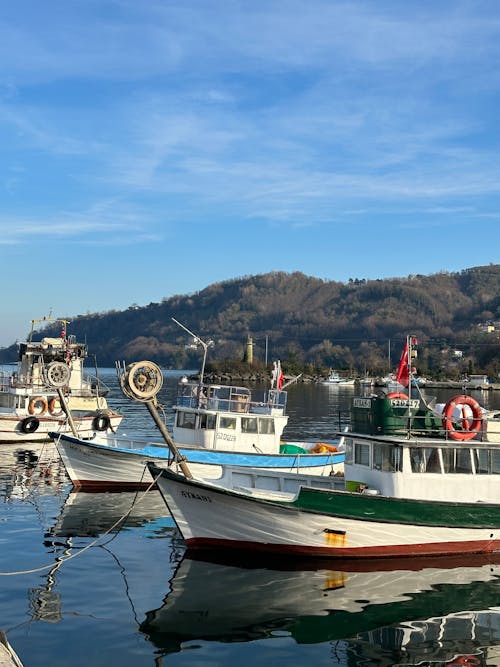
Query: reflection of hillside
383, 611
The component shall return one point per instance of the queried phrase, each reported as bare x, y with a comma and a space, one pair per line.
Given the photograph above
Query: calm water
80, 588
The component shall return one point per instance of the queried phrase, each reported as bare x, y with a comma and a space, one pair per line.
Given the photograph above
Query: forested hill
308, 320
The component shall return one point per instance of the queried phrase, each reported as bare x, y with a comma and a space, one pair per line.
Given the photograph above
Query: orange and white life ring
55, 407
37, 405
323, 448
398, 394
468, 430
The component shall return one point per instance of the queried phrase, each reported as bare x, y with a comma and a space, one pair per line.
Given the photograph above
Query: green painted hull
402, 511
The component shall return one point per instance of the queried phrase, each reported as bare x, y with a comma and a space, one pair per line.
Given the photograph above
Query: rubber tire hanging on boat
30, 424
101, 422
470, 430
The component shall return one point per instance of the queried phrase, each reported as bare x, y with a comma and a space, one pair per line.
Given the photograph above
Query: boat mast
201, 342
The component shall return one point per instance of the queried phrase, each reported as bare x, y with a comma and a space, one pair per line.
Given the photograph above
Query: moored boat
334, 379
49, 380
121, 463
214, 426
416, 483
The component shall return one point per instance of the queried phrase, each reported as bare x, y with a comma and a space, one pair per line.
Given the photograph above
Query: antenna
201, 342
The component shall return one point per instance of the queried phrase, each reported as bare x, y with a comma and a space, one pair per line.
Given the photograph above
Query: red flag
403, 375
281, 379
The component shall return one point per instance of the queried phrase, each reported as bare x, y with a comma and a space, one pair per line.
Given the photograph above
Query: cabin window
425, 459
266, 426
349, 451
186, 419
386, 458
248, 425
482, 461
457, 460
495, 462
486, 462
207, 422
362, 454
228, 422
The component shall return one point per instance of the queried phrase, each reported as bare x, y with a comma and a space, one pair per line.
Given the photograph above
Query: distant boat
48, 373
334, 379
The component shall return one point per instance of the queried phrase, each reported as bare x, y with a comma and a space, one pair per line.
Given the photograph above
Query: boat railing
226, 398
90, 384
11, 380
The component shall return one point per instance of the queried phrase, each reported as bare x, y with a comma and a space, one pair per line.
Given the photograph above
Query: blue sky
151, 148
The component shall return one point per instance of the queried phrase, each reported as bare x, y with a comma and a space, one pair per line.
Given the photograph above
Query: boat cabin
229, 417
400, 449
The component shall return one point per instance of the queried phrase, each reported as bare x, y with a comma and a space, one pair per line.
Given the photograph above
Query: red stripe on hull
92, 485
403, 550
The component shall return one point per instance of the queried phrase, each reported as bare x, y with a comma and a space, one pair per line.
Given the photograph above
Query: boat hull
94, 465
11, 427
210, 517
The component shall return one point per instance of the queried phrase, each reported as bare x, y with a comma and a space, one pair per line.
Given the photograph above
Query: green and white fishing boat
418, 482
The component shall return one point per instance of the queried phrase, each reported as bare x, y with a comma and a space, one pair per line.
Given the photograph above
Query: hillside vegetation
309, 321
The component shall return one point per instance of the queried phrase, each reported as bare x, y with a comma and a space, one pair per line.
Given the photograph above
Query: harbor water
87, 581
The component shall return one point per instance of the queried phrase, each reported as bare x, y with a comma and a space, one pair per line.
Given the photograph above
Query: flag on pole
277, 378
281, 377
403, 374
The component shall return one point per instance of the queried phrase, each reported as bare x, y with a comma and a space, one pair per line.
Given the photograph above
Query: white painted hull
210, 517
91, 464
10, 427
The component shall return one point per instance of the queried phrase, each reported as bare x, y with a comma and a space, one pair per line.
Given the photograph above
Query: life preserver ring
55, 407
37, 405
101, 422
398, 394
468, 430
323, 448
30, 424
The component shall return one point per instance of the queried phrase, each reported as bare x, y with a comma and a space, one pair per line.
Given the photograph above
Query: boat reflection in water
89, 514
377, 613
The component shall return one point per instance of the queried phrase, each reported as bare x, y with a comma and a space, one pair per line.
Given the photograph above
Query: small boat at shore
417, 482
49, 380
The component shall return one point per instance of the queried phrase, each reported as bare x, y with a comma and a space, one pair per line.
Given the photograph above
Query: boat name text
195, 496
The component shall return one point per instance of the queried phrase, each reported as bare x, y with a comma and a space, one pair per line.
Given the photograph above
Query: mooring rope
61, 561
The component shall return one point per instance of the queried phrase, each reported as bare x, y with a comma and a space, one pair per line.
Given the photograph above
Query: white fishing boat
417, 483
334, 379
214, 426
47, 380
